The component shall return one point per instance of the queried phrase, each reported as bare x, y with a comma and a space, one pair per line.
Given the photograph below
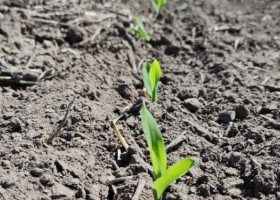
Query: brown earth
219, 91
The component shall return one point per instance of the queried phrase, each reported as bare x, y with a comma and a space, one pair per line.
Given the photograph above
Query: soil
219, 92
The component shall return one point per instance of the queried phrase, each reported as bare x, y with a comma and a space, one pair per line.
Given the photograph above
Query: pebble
61, 164
241, 112
204, 190
231, 171
36, 172
192, 104
226, 116
8, 182
77, 173
75, 35
8, 115
235, 158
81, 193
60, 191
191, 92
46, 179
6, 164
15, 124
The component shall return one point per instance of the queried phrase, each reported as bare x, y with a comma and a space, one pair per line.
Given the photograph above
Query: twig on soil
139, 189
58, 129
115, 197
178, 140
140, 64
130, 55
116, 180
268, 118
118, 154
202, 76
3, 64
92, 38
30, 60
258, 68
116, 131
265, 80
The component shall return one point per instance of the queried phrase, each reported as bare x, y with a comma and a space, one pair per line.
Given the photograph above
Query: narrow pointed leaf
145, 74
154, 74
155, 142
174, 172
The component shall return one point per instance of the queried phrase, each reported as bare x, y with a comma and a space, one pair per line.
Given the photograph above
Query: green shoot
158, 5
163, 176
140, 30
151, 73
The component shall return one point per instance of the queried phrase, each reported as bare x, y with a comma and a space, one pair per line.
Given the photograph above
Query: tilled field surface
219, 93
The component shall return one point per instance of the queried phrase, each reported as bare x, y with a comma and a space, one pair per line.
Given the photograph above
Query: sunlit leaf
174, 172
140, 30
146, 78
155, 142
154, 74
158, 5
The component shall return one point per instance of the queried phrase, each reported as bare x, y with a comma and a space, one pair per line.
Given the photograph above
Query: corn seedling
151, 73
158, 5
163, 176
140, 30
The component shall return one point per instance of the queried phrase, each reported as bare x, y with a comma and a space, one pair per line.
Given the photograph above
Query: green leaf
146, 79
154, 74
140, 30
174, 172
158, 5
155, 142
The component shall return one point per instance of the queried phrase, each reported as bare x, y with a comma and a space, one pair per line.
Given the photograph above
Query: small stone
91, 197
94, 190
191, 92
2, 191
61, 164
36, 172
127, 91
6, 164
278, 195
60, 191
46, 179
8, 115
231, 171
235, 158
231, 182
15, 124
204, 190
241, 112
192, 104
75, 35
8, 182
81, 193
45, 197
226, 116
77, 173
172, 50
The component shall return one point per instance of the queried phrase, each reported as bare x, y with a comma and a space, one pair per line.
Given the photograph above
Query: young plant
158, 5
151, 73
140, 30
163, 176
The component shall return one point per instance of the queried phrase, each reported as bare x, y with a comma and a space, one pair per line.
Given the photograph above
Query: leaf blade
172, 173
146, 79
154, 75
155, 142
